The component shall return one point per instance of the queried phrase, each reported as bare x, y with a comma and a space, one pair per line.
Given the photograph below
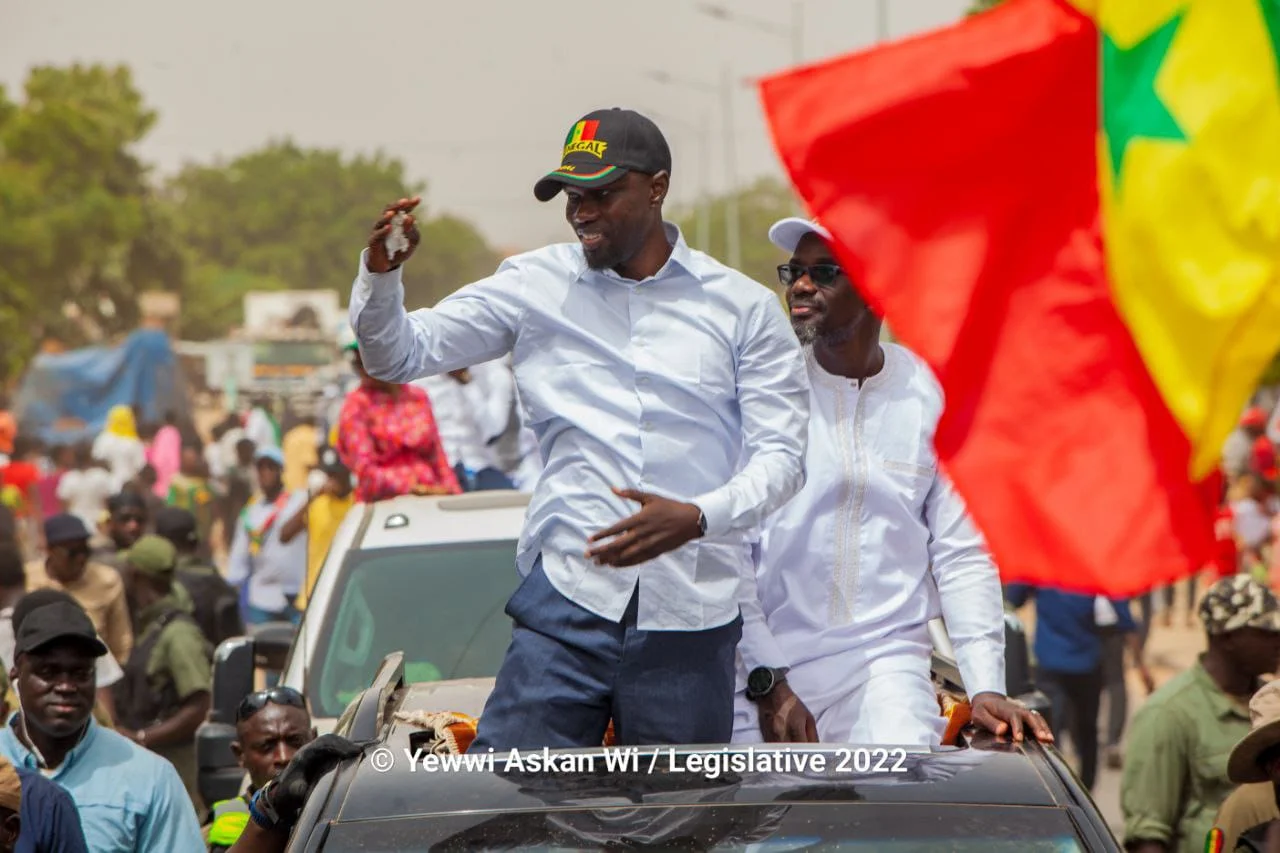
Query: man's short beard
605, 260
809, 334
806, 333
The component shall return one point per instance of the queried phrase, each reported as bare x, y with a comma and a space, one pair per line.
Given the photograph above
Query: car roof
986, 771
412, 520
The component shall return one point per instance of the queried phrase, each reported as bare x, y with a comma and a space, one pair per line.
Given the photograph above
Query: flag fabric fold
995, 190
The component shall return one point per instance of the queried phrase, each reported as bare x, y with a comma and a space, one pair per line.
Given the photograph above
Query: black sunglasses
255, 702
823, 275
80, 549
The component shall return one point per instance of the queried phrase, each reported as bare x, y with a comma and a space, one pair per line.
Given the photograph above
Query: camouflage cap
1239, 602
153, 555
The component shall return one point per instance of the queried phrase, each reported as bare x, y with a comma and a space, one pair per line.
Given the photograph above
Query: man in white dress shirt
656, 379
836, 643
472, 407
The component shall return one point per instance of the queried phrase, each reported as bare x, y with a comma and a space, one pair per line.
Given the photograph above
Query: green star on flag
1131, 107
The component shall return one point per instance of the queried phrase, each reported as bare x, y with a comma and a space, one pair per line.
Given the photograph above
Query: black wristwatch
762, 680
702, 523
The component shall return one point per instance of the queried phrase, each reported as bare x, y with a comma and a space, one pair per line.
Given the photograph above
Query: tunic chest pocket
904, 452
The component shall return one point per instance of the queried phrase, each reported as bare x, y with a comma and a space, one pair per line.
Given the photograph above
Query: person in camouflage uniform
1175, 775
168, 680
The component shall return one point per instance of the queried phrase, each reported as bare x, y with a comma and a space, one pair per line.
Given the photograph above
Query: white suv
429, 576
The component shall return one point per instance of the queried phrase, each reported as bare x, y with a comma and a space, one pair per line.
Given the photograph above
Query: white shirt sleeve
475, 324
773, 396
758, 647
239, 560
968, 590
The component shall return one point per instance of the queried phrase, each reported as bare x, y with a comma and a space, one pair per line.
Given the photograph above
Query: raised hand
378, 260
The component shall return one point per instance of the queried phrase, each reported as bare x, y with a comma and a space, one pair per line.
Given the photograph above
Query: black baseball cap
177, 525
64, 528
602, 147
58, 620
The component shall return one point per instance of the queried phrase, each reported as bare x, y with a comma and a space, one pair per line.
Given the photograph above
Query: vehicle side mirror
271, 642
219, 777
1017, 669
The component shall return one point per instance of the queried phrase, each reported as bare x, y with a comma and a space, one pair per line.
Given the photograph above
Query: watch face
760, 680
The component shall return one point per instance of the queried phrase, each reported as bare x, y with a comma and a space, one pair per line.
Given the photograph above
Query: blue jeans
484, 480
568, 672
258, 616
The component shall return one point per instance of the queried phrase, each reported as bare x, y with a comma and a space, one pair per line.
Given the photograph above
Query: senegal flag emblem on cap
582, 137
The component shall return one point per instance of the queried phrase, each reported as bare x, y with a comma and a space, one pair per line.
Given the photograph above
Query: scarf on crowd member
258, 535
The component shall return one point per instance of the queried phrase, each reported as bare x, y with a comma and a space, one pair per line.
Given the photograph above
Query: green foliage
759, 206
452, 253
983, 5
296, 215
79, 230
85, 231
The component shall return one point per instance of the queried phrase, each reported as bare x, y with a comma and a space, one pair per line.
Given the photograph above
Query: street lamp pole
797, 31
730, 157
704, 206
732, 223
702, 233
794, 33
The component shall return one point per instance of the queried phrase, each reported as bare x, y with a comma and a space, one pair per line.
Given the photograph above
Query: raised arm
475, 324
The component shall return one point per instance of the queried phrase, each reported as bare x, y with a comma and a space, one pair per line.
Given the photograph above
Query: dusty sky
475, 96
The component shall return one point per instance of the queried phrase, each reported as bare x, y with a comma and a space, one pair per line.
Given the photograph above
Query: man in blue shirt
129, 799
1069, 660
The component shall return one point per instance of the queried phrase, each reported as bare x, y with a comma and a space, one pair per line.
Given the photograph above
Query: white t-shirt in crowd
85, 493
124, 456
1252, 524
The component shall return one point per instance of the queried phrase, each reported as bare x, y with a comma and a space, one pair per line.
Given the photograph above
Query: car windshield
773, 828
443, 606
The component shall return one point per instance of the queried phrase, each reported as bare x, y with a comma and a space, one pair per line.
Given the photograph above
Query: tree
983, 5
80, 235
286, 213
759, 205
452, 253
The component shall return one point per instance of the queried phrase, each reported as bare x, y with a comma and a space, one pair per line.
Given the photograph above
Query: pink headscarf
165, 455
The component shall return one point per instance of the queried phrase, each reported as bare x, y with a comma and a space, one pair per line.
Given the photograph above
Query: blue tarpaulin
65, 397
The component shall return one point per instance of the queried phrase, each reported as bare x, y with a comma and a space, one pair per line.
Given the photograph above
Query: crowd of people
125, 560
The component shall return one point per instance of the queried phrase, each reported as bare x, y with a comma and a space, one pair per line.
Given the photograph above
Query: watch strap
260, 810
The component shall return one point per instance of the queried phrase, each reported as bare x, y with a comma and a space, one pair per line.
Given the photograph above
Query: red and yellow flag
1072, 212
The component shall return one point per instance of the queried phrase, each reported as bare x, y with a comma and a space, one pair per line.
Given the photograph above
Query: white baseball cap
787, 233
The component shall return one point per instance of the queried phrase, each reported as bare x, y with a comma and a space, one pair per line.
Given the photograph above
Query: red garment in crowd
1226, 553
390, 442
22, 476
1264, 457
